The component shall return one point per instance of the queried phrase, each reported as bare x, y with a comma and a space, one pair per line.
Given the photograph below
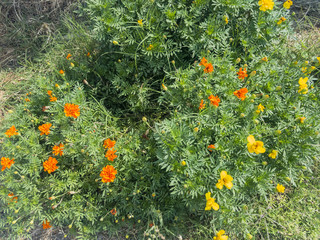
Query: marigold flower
108, 143
302, 119
111, 154
241, 94
150, 47
282, 19
303, 88
203, 62
6, 163
211, 203
72, 64
280, 188
46, 225
210, 147
61, 71
164, 87
255, 146
57, 85
221, 236
318, 58
71, 110
113, 211
266, 5
58, 149
68, 56
53, 99
265, 59
261, 108
273, 154
50, 165
11, 131
45, 128
14, 198
214, 100
242, 73
287, 4
208, 68
202, 106
27, 100
225, 18
140, 22
225, 180
183, 163
88, 54
108, 174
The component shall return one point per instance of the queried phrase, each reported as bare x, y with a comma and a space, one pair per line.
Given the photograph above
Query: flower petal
251, 139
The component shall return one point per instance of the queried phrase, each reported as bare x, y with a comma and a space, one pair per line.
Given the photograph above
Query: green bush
148, 99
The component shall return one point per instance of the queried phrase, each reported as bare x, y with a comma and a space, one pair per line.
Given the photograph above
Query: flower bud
266, 96
144, 119
288, 179
278, 88
242, 115
14, 222
238, 60
264, 163
16, 211
101, 219
253, 73
256, 121
196, 129
278, 132
115, 42
15, 172
249, 236
70, 226
183, 163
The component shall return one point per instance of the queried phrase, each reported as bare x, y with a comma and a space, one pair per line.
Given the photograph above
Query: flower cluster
208, 68
110, 154
221, 236
282, 19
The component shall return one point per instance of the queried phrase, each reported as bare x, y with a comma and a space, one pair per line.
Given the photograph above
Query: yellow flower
150, 47
265, 59
115, 42
273, 154
72, 64
225, 180
164, 87
221, 236
303, 85
318, 58
183, 163
287, 4
261, 108
226, 19
255, 146
140, 22
280, 188
302, 119
253, 73
266, 5
211, 203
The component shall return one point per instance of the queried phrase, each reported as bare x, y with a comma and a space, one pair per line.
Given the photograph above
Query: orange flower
242, 73
71, 110
27, 100
202, 106
45, 128
211, 147
109, 143
61, 71
111, 155
53, 99
49, 92
108, 174
50, 165
11, 131
58, 149
14, 198
203, 62
208, 68
241, 94
88, 54
113, 211
214, 100
6, 163
46, 224
68, 56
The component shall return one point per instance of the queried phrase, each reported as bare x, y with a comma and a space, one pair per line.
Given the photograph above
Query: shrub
170, 131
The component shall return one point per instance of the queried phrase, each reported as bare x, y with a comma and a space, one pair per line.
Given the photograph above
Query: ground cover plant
149, 123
